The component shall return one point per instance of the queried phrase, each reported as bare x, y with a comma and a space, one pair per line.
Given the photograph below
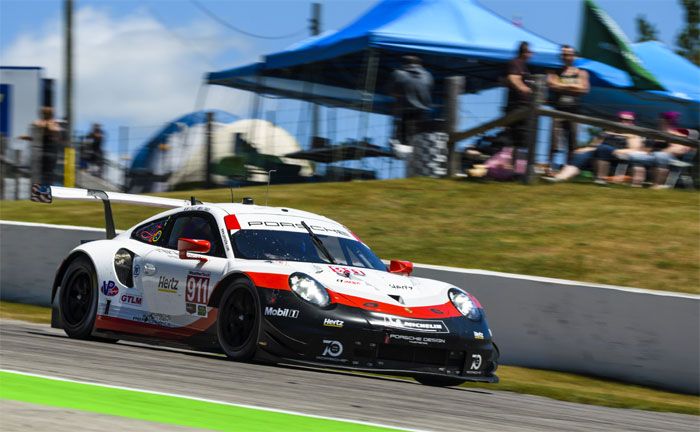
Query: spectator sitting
672, 152
601, 153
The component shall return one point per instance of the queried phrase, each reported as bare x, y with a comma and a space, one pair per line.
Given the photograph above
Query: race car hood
361, 285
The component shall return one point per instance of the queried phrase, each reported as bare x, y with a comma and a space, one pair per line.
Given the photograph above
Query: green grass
588, 390
555, 385
161, 408
24, 312
618, 235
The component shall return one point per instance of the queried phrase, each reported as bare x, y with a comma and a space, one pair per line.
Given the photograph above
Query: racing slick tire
238, 321
77, 302
438, 381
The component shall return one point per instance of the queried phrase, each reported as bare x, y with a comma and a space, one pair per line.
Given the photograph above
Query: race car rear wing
46, 194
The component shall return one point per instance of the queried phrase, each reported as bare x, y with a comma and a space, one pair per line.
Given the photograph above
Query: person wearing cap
519, 82
600, 153
566, 86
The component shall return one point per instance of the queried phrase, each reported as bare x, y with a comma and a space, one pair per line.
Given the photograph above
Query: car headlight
464, 304
308, 289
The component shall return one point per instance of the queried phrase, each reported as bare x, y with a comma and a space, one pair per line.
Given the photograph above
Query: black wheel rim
238, 318
77, 298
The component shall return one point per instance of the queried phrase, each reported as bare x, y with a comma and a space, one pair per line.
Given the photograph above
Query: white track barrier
639, 336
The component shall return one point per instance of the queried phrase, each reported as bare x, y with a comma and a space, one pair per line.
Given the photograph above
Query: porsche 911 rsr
268, 284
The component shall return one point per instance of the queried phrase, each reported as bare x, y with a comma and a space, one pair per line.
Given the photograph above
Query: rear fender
63, 267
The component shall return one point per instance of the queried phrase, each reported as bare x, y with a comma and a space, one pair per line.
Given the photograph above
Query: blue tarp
677, 75
454, 37
144, 156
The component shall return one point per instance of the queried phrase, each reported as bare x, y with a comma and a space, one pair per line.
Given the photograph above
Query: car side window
150, 233
196, 226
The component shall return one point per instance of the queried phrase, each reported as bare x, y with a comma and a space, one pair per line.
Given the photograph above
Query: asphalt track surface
39, 349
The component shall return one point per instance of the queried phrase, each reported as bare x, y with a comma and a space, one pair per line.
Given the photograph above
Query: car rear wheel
238, 321
438, 381
77, 303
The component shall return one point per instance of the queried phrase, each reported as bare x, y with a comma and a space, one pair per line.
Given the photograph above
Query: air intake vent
397, 298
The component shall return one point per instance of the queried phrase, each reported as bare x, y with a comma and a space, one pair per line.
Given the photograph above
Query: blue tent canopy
453, 37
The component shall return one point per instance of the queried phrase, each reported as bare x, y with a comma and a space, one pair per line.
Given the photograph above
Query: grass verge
24, 312
555, 385
588, 390
618, 236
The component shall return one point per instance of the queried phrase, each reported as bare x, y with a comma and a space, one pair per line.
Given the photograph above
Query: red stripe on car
104, 322
270, 280
445, 310
281, 282
231, 222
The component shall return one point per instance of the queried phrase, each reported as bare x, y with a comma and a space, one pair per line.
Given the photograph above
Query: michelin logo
424, 326
281, 312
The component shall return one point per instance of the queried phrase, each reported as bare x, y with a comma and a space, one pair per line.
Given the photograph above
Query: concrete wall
639, 336
30, 255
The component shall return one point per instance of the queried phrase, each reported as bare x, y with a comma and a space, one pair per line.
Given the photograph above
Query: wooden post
209, 183
532, 125
454, 86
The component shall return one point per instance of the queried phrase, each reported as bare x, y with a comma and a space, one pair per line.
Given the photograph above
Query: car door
178, 289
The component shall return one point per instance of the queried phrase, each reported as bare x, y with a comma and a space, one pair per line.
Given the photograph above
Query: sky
141, 63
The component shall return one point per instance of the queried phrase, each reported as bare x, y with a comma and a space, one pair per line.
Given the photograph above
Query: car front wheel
238, 321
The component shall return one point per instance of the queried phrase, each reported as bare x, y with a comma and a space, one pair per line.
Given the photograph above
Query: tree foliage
646, 31
688, 40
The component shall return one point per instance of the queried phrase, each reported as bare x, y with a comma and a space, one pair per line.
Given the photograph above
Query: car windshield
297, 246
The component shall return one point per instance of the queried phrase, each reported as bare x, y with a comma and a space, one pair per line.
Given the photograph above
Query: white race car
266, 283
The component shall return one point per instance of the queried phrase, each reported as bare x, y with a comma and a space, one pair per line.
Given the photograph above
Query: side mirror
185, 245
401, 267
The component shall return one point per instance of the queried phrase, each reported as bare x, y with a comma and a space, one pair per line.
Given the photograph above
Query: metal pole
533, 124
454, 86
210, 126
17, 174
68, 69
123, 155
372, 65
315, 28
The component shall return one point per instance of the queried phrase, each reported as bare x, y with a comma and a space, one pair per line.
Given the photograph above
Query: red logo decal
347, 271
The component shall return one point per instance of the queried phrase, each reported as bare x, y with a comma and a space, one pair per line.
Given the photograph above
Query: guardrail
639, 336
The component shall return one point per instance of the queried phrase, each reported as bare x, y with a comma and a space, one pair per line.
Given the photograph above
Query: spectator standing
412, 87
414, 138
519, 82
96, 139
566, 86
45, 135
